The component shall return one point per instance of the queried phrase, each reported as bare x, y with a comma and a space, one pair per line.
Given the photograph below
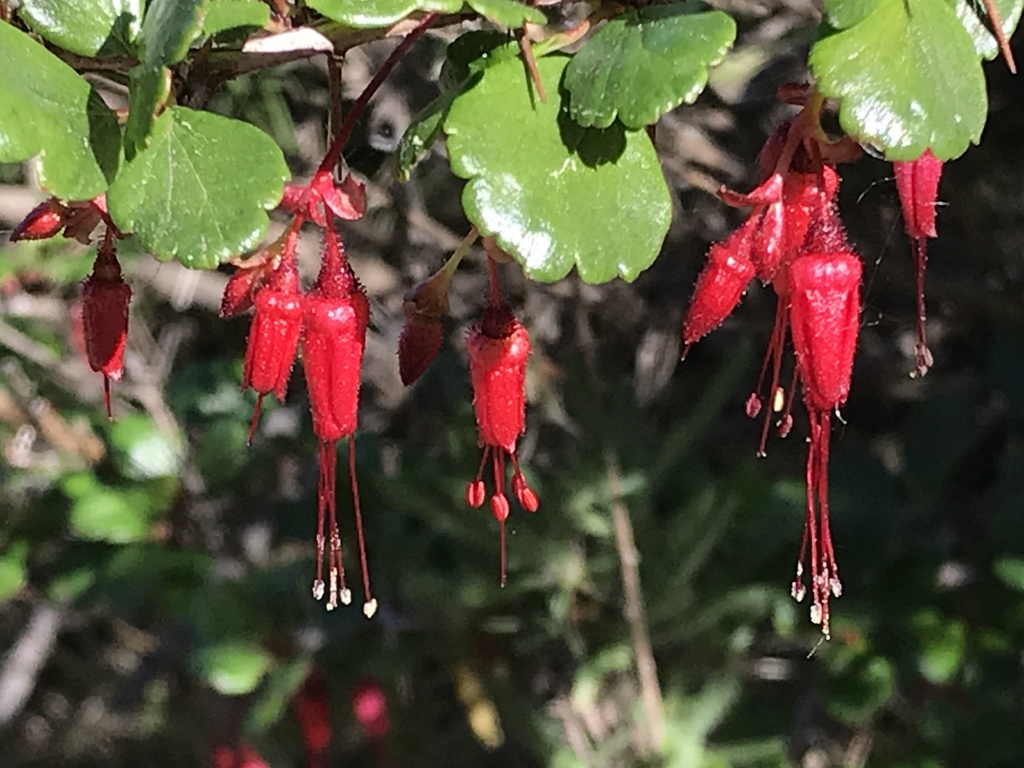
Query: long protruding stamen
818, 611
321, 503
775, 346
833, 584
499, 508
923, 355
337, 590
369, 602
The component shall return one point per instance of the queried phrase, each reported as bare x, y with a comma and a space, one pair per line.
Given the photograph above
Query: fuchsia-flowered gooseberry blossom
499, 348
333, 340
105, 299
274, 333
794, 241
917, 183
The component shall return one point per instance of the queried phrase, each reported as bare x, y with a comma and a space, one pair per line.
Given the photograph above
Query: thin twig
629, 559
341, 139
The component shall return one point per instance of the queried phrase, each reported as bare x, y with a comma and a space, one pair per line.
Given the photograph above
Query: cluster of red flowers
794, 241
330, 322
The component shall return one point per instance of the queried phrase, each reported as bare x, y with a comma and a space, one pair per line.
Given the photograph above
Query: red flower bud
44, 221
721, 284
498, 351
917, 183
333, 339
105, 299
420, 341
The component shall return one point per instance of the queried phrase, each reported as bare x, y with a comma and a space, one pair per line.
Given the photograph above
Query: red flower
824, 312
917, 183
333, 339
273, 336
498, 350
105, 299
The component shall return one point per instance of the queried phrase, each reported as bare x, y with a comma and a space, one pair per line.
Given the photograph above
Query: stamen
368, 597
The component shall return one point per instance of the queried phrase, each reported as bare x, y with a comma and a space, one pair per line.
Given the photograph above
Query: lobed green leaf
908, 77
645, 63
552, 193
199, 191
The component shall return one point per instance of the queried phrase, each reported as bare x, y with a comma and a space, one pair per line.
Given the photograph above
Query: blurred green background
155, 573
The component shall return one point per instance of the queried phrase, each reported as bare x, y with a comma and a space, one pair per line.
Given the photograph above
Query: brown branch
996, 20
629, 559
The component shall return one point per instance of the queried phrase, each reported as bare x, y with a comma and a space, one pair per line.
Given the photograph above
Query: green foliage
167, 30
378, 13
555, 195
507, 13
234, 668
185, 196
972, 15
645, 63
907, 73
55, 114
225, 15
86, 27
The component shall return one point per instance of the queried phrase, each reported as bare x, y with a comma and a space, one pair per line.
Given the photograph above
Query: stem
526, 48
996, 20
334, 87
629, 560
460, 253
345, 132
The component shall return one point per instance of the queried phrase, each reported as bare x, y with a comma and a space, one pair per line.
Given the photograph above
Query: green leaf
168, 29
148, 90
55, 114
908, 77
105, 515
943, 645
972, 15
86, 27
421, 134
199, 191
845, 13
646, 63
144, 450
222, 15
507, 13
1010, 571
378, 13
13, 573
282, 684
234, 668
552, 193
